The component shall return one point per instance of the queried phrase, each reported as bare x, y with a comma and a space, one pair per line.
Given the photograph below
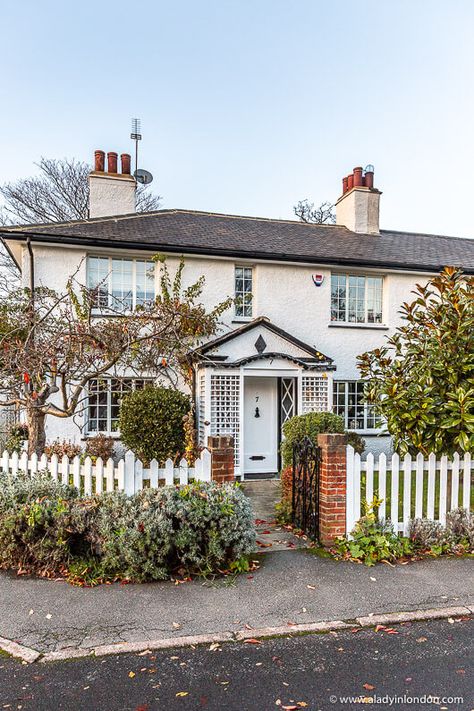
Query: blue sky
249, 105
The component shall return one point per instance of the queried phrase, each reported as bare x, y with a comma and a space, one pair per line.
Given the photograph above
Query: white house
321, 295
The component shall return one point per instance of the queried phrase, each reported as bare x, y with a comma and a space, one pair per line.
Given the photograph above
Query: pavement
293, 589
399, 668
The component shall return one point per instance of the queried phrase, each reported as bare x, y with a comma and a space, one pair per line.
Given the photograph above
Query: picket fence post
129, 473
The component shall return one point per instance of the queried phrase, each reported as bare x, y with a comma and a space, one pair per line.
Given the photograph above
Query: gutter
212, 251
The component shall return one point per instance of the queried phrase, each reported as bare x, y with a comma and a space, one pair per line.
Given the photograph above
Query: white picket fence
409, 487
128, 474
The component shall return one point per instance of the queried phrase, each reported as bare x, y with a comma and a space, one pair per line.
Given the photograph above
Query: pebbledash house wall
284, 293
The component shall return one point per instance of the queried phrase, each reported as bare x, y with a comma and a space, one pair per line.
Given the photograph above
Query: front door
260, 425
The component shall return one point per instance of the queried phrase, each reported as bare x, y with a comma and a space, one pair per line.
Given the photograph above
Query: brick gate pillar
332, 487
222, 458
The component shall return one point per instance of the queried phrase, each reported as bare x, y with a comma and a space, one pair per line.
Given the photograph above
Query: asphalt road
308, 672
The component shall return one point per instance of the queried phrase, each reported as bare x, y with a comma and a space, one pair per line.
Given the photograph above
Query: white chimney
111, 193
358, 207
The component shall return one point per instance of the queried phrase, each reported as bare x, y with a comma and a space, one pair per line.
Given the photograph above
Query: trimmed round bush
151, 423
310, 424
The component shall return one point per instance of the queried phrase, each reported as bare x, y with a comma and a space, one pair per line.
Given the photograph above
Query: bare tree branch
58, 194
322, 215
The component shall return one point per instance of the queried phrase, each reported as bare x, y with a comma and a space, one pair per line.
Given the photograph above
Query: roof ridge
427, 234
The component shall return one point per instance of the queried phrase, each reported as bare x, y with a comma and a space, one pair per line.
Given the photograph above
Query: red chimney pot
126, 161
344, 185
358, 177
369, 179
350, 181
112, 162
99, 161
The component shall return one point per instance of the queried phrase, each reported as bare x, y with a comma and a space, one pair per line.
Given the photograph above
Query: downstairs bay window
348, 403
103, 403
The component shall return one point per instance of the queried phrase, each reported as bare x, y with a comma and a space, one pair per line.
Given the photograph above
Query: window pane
374, 300
145, 281
122, 284
338, 297
243, 291
98, 279
348, 403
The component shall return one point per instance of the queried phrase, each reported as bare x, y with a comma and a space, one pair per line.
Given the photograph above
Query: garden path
271, 536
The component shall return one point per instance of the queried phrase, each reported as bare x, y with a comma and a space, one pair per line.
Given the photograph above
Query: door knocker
257, 412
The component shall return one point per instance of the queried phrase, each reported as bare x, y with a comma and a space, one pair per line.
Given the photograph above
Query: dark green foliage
310, 424
421, 382
151, 423
356, 441
47, 528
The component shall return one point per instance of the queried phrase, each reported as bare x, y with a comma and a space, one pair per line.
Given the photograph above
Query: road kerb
188, 641
68, 653
260, 632
412, 616
26, 654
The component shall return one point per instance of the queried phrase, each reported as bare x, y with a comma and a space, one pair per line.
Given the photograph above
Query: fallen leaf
176, 625
131, 674
422, 639
31, 612
251, 640
311, 587
290, 708
374, 580
450, 620
258, 664
214, 645
460, 671
182, 693
278, 702
48, 616
144, 653
302, 704
248, 627
369, 687
379, 628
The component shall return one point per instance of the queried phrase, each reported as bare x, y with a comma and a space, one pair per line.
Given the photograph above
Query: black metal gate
305, 497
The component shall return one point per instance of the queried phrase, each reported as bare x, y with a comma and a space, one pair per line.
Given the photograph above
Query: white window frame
237, 295
345, 414
107, 282
109, 431
366, 277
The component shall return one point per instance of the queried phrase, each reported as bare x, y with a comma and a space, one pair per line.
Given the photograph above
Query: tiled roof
188, 231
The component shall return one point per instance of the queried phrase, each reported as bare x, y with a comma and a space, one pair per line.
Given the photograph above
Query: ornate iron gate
305, 497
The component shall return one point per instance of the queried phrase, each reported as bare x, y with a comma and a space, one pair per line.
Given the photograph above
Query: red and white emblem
317, 279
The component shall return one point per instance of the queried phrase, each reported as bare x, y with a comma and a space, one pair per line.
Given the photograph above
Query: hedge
48, 529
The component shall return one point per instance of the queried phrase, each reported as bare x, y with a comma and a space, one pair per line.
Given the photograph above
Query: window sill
242, 319
90, 435
370, 326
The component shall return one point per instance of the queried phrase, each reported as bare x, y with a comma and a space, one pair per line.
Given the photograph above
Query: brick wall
222, 462
332, 487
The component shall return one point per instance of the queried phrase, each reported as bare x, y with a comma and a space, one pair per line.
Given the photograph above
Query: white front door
260, 425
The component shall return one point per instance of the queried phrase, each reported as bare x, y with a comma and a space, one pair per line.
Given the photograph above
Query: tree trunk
36, 432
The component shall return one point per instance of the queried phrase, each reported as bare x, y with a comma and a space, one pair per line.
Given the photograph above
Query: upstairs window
120, 284
356, 299
243, 292
348, 403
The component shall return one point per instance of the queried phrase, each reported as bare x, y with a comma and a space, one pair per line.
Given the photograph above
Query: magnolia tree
52, 345
422, 382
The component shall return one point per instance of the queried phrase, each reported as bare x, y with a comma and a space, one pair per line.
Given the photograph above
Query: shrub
199, 527
61, 448
16, 436
310, 424
151, 423
47, 528
373, 540
460, 527
426, 535
99, 446
43, 524
356, 441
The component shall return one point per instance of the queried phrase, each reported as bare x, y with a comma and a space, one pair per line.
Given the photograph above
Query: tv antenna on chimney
141, 176
136, 136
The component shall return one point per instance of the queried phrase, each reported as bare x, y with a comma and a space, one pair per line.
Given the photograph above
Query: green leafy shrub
311, 424
356, 441
460, 528
426, 535
152, 425
373, 540
16, 436
43, 524
457, 536
47, 528
99, 446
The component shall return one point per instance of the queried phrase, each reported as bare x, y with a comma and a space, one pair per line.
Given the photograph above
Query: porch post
332, 487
